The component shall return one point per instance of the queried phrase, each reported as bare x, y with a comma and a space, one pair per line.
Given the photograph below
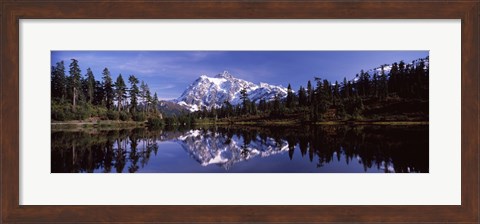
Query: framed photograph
271, 111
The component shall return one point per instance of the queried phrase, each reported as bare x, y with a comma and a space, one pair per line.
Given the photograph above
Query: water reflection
244, 149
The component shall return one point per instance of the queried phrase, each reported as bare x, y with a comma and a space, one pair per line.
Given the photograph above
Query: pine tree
322, 98
90, 80
99, 94
302, 97
149, 100
143, 95
228, 108
345, 88
108, 89
276, 105
336, 93
375, 84
309, 93
262, 105
327, 90
244, 98
290, 97
59, 82
402, 85
133, 93
76, 81
120, 91
361, 83
155, 103
383, 85
253, 108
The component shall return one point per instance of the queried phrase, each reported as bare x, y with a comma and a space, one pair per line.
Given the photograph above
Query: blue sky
170, 72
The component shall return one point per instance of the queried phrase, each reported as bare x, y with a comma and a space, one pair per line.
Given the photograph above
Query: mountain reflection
378, 148
225, 148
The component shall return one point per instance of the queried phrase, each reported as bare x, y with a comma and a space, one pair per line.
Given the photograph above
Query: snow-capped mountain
388, 67
212, 92
209, 148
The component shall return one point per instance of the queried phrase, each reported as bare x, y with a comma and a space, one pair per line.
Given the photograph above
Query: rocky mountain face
212, 92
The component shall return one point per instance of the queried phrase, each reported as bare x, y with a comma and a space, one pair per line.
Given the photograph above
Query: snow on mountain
378, 70
209, 148
208, 92
388, 67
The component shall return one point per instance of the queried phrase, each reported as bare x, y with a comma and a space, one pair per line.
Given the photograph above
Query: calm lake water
302, 149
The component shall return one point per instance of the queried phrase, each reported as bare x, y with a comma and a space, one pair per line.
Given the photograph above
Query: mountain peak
209, 93
225, 74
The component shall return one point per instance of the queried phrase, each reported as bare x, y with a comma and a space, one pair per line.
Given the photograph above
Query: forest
77, 97
376, 95
400, 95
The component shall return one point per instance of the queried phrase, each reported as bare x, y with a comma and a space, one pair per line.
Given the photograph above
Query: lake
244, 149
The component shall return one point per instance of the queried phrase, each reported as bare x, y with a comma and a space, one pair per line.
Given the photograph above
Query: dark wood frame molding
12, 11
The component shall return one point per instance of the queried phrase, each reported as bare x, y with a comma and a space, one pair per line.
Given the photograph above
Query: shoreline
99, 124
280, 123
113, 124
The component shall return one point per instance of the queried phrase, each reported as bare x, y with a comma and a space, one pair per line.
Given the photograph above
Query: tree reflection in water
388, 148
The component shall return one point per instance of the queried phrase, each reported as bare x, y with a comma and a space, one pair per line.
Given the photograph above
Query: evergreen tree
302, 97
99, 94
402, 79
149, 100
120, 91
75, 81
228, 108
144, 90
322, 98
327, 89
336, 93
107, 89
383, 85
345, 88
290, 97
59, 82
245, 100
262, 105
375, 84
393, 78
90, 81
155, 103
309, 93
133, 93
276, 105
253, 108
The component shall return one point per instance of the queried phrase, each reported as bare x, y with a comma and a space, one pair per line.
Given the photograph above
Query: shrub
112, 115
58, 115
69, 115
124, 116
169, 121
81, 114
101, 112
155, 122
138, 117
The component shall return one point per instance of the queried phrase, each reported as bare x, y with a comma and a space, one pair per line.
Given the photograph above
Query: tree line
324, 100
77, 97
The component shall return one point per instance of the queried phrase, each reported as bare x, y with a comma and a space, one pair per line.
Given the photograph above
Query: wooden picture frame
12, 11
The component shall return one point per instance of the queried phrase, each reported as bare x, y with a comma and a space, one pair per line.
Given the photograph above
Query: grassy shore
118, 124
294, 122
92, 124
